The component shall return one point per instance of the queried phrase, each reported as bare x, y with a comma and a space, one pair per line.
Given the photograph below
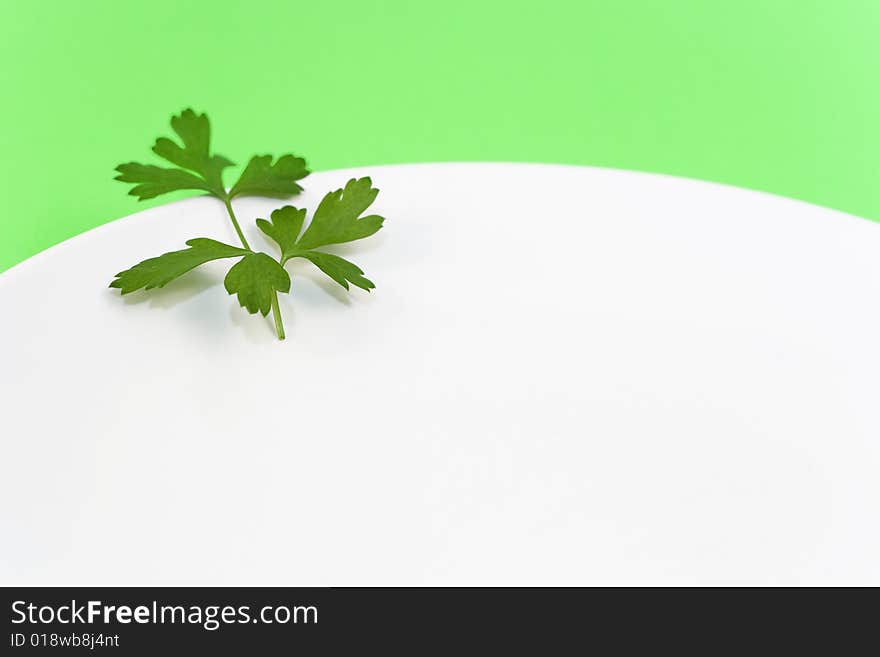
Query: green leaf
194, 131
156, 180
339, 269
262, 178
256, 279
157, 272
203, 170
284, 228
338, 219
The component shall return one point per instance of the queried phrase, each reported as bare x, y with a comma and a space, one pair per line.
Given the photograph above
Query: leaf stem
276, 310
228, 205
276, 315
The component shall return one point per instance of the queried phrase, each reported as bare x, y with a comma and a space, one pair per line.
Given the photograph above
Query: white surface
565, 376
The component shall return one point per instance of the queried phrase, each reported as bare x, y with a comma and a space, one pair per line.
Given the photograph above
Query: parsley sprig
256, 278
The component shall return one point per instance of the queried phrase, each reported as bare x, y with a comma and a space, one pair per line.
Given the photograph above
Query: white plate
565, 376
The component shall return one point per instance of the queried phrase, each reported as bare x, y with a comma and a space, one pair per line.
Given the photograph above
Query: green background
777, 95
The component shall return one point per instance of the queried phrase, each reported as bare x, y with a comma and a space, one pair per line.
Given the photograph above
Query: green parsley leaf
262, 178
204, 171
156, 180
284, 228
194, 131
256, 279
339, 269
338, 219
157, 272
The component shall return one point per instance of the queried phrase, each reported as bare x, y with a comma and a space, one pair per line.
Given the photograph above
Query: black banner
155, 621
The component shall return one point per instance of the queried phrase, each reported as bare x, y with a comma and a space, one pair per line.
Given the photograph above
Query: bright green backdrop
778, 95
